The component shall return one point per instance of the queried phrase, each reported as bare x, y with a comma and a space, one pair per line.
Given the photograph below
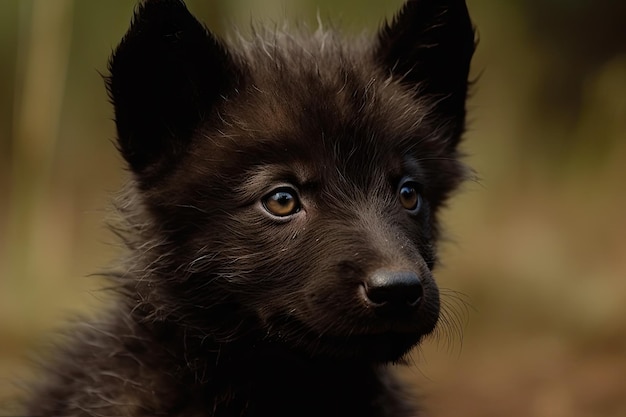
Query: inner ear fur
428, 46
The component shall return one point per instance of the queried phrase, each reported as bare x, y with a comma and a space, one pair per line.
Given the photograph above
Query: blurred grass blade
43, 53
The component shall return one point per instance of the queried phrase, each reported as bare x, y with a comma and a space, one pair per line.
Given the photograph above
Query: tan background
537, 247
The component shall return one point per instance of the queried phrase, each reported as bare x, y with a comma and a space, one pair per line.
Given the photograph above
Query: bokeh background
537, 246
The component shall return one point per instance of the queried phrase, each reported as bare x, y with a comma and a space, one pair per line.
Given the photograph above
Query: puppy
281, 219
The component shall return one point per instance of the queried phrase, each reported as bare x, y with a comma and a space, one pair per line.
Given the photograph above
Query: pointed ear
165, 76
429, 46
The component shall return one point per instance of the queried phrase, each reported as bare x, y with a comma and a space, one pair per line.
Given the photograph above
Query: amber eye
282, 202
409, 196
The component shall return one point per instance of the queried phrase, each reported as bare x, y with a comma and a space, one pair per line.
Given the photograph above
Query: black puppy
281, 219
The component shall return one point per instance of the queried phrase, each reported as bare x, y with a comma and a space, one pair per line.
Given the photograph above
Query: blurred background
537, 247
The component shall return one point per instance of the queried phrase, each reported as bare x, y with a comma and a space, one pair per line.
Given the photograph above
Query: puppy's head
289, 185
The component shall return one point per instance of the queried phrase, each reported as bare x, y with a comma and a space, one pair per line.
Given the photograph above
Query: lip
373, 340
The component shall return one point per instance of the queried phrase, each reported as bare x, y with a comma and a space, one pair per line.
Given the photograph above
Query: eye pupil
282, 198
282, 203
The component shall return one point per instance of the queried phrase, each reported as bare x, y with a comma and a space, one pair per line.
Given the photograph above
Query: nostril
394, 288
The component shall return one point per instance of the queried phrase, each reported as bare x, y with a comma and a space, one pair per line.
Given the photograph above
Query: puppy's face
293, 186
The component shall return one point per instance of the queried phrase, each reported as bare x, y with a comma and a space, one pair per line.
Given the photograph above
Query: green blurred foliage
537, 245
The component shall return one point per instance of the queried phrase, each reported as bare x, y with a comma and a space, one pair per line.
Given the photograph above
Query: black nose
394, 289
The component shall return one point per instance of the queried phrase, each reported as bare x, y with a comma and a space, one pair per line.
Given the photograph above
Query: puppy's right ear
165, 77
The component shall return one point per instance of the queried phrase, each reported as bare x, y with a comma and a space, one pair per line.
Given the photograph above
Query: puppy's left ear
429, 46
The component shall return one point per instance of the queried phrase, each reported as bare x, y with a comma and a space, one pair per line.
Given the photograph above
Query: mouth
380, 344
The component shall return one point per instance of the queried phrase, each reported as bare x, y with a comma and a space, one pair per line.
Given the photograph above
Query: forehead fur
314, 87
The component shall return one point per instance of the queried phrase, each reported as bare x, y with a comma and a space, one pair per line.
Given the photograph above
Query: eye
282, 202
409, 196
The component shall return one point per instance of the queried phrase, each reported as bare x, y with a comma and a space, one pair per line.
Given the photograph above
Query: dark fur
224, 309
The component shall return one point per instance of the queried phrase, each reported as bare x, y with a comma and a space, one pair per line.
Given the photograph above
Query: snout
391, 292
